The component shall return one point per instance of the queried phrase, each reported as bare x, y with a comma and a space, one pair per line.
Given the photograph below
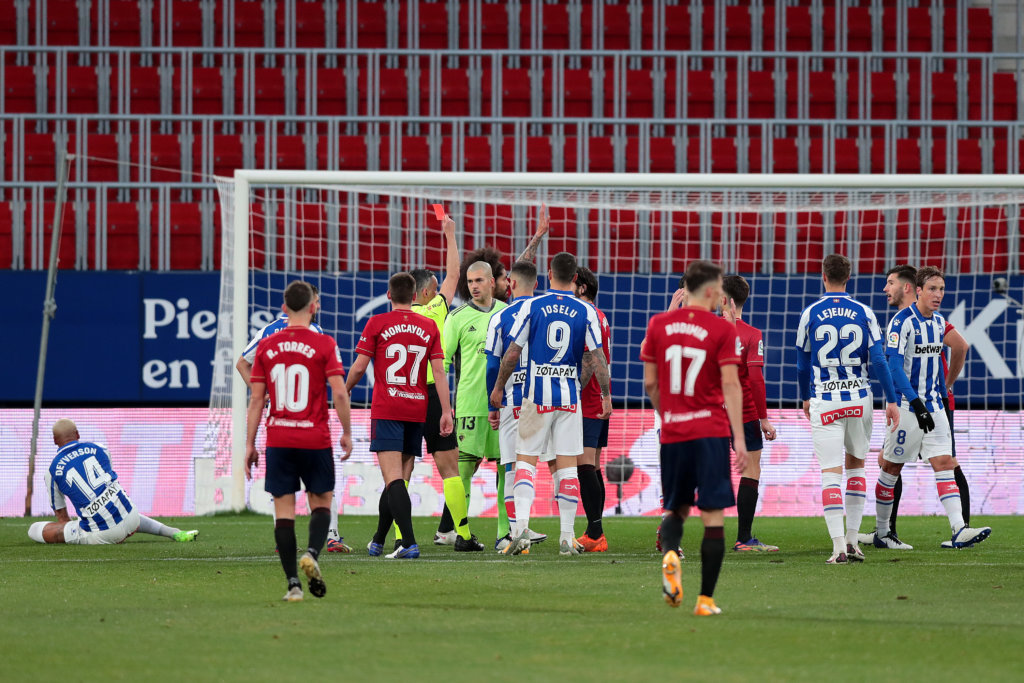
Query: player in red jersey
595, 430
401, 344
690, 371
295, 365
755, 411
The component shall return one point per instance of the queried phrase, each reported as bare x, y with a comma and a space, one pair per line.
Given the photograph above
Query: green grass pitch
151, 609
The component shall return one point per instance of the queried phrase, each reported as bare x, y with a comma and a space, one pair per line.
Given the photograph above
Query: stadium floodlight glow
346, 230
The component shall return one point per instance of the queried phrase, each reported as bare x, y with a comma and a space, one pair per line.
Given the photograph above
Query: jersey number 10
291, 387
674, 355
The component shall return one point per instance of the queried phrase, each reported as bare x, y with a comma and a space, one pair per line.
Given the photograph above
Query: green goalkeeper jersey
464, 338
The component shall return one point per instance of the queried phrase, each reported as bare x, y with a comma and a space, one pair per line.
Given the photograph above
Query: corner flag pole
49, 310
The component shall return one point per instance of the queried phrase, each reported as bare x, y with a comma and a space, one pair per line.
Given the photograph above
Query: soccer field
151, 609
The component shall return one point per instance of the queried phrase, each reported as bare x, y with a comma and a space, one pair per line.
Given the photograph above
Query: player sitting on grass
82, 472
914, 341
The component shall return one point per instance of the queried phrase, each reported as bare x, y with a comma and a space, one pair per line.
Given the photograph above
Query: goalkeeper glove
924, 418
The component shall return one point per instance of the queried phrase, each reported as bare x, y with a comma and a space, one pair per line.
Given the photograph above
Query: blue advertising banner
148, 338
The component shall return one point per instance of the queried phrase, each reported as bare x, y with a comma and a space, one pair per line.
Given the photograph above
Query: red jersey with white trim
751, 353
689, 346
591, 398
295, 363
401, 344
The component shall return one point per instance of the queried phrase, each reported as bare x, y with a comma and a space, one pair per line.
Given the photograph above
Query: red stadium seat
310, 237
979, 29
122, 237
599, 150
415, 153
351, 153
432, 27
933, 236
515, 92
700, 94
372, 20
785, 156
269, 93
19, 95
309, 24
125, 23
454, 92
186, 23
6, 234
331, 89
622, 242
684, 240
208, 90
476, 153
577, 94
394, 92
143, 91
165, 157
554, 27
61, 22
8, 36
40, 157
248, 23
227, 154
186, 242
538, 154
68, 244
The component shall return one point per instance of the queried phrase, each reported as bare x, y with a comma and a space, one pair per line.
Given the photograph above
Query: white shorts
840, 427
508, 436
76, 535
557, 431
908, 441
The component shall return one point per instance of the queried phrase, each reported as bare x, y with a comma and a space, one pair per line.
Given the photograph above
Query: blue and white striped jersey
498, 340
919, 341
557, 328
82, 472
839, 333
249, 353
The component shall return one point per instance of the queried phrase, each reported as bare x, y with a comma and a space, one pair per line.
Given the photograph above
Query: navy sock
384, 518
591, 495
284, 535
965, 494
746, 503
897, 493
712, 552
671, 532
319, 522
401, 508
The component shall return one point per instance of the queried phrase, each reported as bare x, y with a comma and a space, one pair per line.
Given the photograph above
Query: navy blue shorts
396, 435
286, 466
752, 435
595, 432
701, 465
432, 426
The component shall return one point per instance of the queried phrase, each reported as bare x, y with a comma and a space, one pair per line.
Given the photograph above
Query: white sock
832, 503
856, 496
567, 495
35, 532
508, 496
148, 525
949, 495
884, 495
523, 493
332, 531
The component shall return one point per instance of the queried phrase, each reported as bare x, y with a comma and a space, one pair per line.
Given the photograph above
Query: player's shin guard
856, 496
284, 535
746, 504
712, 552
455, 502
319, 523
148, 525
523, 493
509, 481
503, 518
590, 492
401, 508
949, 496
568, 499
965, 494
832, 503
884, 496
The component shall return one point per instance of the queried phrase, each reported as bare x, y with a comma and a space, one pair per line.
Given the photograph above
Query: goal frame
237, 240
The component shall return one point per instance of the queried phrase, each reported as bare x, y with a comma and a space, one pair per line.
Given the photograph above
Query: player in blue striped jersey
836, 341
522, 283
82, 472
914, 346
563, 333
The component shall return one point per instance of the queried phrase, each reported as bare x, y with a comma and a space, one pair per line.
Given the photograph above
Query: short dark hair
526, 271
906, 273
836, 268
699, 273
736, 288
586, 278
488, 254
422, 276
402, 288
682, 282
298, 295
927, 273
563, 266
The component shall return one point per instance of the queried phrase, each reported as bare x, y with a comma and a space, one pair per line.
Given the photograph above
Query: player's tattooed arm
509, 363
594, 365
543, 223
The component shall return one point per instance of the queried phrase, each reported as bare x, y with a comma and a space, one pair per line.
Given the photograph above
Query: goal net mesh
347, 240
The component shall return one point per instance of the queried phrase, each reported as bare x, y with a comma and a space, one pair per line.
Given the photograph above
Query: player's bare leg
47, 532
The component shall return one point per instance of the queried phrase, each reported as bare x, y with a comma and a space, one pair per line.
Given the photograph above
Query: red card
438, 211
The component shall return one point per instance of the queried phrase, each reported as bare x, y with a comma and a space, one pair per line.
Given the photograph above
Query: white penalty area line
623, 559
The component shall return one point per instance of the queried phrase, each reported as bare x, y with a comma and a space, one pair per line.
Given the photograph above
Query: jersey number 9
558, 339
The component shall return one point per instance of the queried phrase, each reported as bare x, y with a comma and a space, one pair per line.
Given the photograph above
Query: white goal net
347, 232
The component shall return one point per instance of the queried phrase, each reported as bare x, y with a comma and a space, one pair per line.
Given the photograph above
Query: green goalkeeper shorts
476, 437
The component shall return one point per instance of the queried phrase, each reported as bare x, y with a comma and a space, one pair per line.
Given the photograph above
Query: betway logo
927, 349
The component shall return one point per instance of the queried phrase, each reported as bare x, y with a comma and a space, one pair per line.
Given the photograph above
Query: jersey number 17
674, 356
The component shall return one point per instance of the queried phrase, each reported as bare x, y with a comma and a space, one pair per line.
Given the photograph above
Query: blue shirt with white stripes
557, 328
82, 472
915, 342
498, 339
838, 334
279, 324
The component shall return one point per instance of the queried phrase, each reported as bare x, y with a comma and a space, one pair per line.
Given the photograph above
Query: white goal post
766, 227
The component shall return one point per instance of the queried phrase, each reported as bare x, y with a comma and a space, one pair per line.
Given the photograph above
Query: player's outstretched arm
252, 424
651, 384
543, 223
443, 395
343, 408
957, 355
356, 372
244, 368
509, 362
451, 261
732, 391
